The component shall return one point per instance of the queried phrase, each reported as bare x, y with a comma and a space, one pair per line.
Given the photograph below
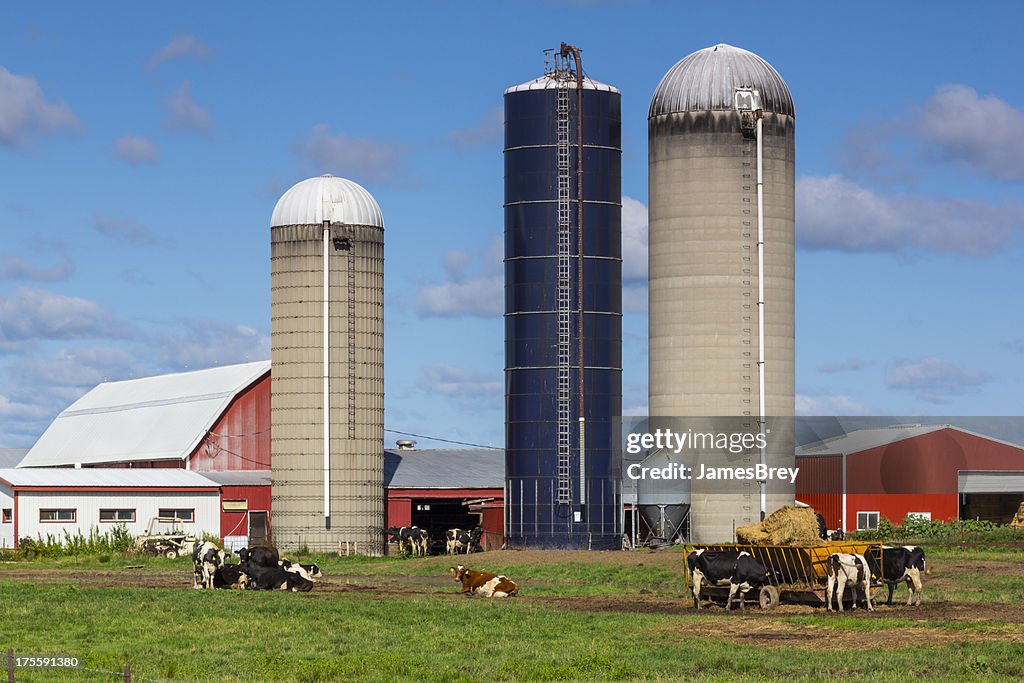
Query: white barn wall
6, 530
88, 504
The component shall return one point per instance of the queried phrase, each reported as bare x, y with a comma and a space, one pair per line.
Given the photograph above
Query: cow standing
847, 570
893, 565
484, 583
417, 539
457, 540
207, 558
737, 569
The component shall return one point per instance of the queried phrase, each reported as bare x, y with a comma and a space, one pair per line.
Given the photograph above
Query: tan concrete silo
327, 474
703, 261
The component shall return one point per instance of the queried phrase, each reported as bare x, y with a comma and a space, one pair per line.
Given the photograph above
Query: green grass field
604, 616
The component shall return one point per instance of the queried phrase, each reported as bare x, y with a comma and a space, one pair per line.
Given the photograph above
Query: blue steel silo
563, 332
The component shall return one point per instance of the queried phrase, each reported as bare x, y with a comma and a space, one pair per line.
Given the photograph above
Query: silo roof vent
406, 445
707, 80
327, 197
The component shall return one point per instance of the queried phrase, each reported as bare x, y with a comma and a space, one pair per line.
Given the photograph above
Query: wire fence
21, 667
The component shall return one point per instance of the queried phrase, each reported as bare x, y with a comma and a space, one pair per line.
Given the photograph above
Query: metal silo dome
304, 203
707, 81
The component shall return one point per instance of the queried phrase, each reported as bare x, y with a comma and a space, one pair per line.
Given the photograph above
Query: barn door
258, 528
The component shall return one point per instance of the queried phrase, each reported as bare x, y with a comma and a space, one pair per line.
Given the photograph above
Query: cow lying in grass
846, 570
484, 583
310, 572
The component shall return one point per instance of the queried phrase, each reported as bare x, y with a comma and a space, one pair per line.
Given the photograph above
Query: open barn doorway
439, 515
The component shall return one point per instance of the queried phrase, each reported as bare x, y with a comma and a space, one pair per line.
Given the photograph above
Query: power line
437, 438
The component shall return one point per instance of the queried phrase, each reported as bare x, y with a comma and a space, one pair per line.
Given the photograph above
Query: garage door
991, 482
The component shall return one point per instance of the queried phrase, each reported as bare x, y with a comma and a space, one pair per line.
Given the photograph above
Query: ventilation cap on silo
330, 198
707, 80
406, 445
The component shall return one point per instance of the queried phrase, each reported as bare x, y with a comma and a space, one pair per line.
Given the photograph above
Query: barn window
117, 515
8, 515
867, 520
58, 515
180, 514
235, 505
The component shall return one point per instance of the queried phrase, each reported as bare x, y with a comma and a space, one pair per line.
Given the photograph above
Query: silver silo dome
703, 260
327, 390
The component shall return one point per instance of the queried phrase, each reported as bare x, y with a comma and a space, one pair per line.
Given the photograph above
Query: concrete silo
721, 328
563, 309
327, 368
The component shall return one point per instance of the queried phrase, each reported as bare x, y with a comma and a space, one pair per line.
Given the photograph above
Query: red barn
938, 472
214, 421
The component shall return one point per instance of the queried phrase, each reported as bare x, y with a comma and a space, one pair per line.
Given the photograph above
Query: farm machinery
165, 536
802, 570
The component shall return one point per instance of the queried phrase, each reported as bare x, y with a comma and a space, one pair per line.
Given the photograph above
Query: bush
117, 540
952, 531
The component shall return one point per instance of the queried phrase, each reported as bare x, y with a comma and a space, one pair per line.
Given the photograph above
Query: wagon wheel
768, 598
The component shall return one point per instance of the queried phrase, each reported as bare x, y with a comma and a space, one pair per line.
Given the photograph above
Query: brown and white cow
484, 583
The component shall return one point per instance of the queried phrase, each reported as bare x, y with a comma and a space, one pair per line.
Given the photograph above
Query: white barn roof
153, 418
104, 478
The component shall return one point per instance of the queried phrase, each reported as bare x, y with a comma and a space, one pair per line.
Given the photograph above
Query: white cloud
30, 314
829, 404
181, 47
200, 343
127, 231
934, 380
359, 158
487, 130
467, 387
634, 239
136, 150
25, 111
837, 213
184, 114
471, 290
984, 133
17, 268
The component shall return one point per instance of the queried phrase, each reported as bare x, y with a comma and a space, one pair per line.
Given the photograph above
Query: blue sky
142, 152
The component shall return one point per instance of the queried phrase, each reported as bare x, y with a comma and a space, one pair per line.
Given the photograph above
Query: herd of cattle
417, 541
742, 572
260, 568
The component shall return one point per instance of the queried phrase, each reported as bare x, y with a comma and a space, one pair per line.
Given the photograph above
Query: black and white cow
413, 537
458, 540
274, 578
846, 570
230, 576
737, 569
893, 565
309, 572
262, 555
206, 559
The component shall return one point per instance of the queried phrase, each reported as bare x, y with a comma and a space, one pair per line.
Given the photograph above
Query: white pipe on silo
760, 308
327, 373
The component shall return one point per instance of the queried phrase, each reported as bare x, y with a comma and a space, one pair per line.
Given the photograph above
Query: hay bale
1018, 519
786, 526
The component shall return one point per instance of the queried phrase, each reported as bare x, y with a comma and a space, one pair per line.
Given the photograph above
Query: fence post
10, 665
127, 673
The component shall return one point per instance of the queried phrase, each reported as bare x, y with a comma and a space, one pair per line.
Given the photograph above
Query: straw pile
1018, 519
786, 526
